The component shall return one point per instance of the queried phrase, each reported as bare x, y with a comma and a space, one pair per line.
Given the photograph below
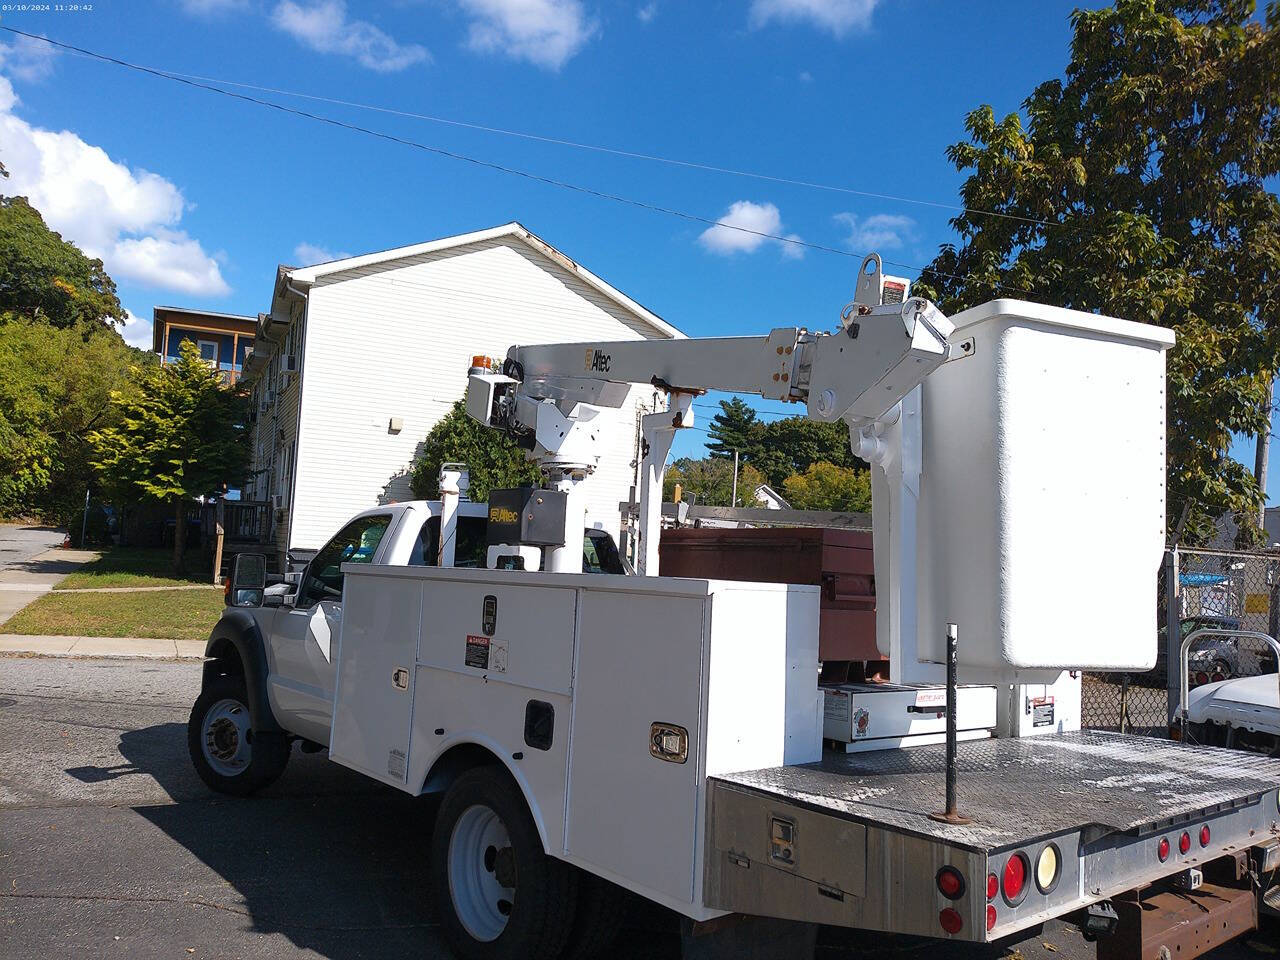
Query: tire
497, 894
227, 754
602, 908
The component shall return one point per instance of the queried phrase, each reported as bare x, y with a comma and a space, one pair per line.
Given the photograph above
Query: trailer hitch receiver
1099, 920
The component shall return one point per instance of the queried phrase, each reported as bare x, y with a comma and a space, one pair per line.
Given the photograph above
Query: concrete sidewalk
148, 648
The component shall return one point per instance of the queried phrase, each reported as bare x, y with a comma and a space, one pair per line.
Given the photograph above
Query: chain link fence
1216, 589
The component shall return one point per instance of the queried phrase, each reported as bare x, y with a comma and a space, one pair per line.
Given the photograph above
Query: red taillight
1184, 842
1162, 849
1201, 678
993, 886
1204, 835
950, 883
951, 921
1014, 881
991, 916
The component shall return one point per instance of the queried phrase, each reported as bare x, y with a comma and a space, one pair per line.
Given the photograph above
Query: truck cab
285, 645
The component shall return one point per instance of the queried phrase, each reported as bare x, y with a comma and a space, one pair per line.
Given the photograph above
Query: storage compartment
839, 561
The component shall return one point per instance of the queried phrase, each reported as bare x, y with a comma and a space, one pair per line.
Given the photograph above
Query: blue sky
192, 198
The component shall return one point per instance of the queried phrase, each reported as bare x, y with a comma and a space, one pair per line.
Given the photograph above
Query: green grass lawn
138, 567
167, 614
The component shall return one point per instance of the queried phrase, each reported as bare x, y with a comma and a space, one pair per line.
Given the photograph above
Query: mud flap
739, 937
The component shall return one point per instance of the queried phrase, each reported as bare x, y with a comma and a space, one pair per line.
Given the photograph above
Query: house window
209, 352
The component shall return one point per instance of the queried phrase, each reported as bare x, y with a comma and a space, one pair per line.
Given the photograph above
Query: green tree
735, 427
1137, 188
711, 481
56, 388
492, 458
179, 436
781, 447
824, 486
43, 277
793, 444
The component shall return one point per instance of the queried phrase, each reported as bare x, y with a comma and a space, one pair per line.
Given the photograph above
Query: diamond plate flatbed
1015, 790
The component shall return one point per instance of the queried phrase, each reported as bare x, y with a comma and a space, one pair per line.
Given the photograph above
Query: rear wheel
602, 907
497, 894
226, 752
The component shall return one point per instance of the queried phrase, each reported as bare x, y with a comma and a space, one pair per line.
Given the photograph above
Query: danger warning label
477, 652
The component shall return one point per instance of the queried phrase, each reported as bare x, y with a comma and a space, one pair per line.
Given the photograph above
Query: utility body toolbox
840, 561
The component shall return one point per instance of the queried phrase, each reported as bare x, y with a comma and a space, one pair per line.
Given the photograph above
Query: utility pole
735, 478
84, 518
1262, 454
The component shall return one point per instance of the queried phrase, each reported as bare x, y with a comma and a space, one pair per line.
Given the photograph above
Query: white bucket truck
665, 735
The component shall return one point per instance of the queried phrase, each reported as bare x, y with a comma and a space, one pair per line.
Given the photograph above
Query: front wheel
498, 896
226, 753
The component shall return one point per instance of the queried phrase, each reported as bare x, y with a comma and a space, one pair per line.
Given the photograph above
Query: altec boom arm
549, 395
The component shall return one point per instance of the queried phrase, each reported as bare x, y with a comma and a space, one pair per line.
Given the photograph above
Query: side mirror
248, 579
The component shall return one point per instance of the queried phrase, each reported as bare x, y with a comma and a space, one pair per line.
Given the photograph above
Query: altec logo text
598, 361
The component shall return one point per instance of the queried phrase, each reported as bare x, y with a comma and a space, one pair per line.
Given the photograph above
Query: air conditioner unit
289, 364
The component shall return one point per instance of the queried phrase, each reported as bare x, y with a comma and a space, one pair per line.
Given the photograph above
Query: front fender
238, 632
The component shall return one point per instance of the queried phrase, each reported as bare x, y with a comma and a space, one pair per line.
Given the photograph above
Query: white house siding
395, 340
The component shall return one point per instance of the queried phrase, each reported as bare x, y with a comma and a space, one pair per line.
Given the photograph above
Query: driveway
19, 542
110, 846
30, 564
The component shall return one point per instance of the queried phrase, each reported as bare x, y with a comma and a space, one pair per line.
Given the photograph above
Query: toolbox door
632, 812
373, 702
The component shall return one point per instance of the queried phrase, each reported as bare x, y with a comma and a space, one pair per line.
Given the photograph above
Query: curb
144, 648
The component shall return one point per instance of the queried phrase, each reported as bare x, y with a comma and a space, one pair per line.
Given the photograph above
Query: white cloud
880, 231
323, 26
127, 217
8, 99
169, 259
309, 254
647, 12
806, 76
837, 16
27, 59
544, 32
208, 8
746, 227
136, 331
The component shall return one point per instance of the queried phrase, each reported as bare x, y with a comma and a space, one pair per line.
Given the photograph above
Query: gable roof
514, 230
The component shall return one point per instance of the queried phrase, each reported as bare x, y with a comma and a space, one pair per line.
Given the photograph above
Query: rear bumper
779, 857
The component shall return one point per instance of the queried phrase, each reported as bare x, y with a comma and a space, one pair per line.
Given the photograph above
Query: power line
487, 164
599, 148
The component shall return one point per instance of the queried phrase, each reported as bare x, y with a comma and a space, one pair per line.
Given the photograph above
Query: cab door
302, 645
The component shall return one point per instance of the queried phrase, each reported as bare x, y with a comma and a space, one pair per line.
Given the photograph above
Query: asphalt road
110, 846
19, 542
